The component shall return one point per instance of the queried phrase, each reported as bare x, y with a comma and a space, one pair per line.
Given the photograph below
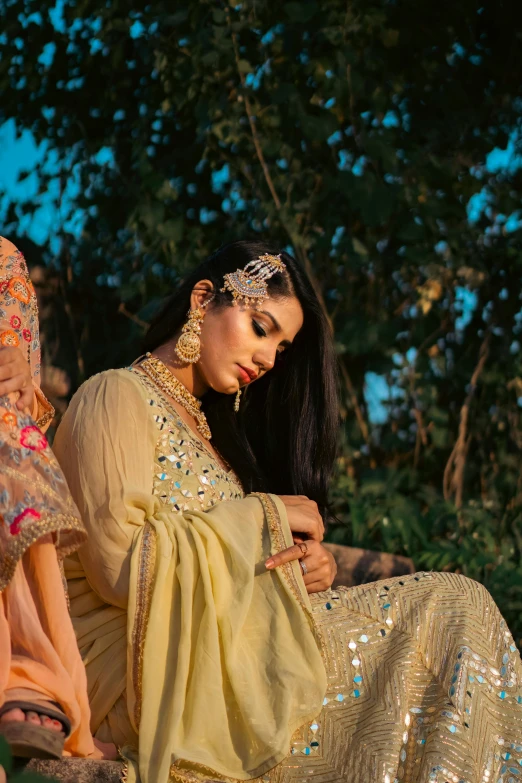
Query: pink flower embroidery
26, 334
29, 515
31, 437
15, 322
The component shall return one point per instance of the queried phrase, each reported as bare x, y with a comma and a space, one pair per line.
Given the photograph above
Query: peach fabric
38, 648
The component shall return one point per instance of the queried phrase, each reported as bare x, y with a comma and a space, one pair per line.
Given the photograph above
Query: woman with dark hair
214, 648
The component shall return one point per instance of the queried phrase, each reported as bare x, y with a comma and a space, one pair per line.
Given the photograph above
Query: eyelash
258, 329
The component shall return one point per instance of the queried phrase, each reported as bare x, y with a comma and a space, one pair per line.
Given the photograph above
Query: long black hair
284, 438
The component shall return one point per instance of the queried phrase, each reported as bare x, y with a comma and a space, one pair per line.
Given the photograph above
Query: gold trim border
146, 568
278, 540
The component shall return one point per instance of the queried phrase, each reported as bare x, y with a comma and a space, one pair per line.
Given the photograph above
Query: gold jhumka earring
188, 347
236, 401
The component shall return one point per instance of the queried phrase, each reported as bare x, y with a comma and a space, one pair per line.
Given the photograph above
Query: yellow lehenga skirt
424, 684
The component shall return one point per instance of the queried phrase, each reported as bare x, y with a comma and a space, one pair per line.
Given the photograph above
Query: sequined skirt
424, 684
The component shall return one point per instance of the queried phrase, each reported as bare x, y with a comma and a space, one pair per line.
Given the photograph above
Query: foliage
356, 134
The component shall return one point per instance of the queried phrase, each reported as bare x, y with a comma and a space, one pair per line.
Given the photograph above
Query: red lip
247, 374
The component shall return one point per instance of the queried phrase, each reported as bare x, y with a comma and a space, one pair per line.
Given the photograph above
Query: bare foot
31, 717
107, 749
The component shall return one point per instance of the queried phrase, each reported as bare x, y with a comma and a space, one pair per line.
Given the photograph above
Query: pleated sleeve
105, 445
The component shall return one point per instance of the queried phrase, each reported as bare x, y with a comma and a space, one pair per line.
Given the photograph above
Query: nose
265, 360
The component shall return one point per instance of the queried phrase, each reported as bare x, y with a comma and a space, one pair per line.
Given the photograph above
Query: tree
360, 136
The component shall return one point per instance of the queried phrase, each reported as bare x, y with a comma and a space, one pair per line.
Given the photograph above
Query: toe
33, 717
47, 722
12, 715
56, 725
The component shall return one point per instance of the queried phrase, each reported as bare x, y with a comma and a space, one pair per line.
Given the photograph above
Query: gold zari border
147, 563
45, 413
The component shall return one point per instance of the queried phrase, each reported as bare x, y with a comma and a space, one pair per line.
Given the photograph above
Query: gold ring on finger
303, 547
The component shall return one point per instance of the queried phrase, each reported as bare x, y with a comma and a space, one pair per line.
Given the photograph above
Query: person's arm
19, 338
105, 445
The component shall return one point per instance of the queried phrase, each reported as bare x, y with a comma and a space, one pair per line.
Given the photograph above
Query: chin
223, 386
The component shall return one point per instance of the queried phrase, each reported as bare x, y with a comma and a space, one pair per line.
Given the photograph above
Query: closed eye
258, 329
261, 332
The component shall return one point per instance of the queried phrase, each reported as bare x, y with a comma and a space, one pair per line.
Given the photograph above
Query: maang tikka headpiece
249, 284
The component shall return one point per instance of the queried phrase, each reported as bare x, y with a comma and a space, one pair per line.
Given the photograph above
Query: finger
9, 353
286, 556
317, 574
26, 399
308, 524
10, 368
293, 500
317, 587
17, 383
314, 569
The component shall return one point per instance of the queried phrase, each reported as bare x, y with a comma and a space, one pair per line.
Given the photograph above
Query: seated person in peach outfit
44, 709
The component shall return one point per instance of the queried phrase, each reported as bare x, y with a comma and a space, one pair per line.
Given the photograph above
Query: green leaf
172, 230
301, 12
390, 37
244, 66
6, 760
359, 248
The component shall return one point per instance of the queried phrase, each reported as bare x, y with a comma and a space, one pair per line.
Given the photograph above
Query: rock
359, 566
78, 770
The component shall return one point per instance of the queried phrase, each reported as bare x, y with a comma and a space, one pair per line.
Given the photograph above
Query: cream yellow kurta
175, 614
424, 682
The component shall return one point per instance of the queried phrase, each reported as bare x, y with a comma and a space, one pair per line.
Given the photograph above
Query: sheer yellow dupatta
223, 663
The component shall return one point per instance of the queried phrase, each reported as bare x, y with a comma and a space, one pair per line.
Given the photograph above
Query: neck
187, 374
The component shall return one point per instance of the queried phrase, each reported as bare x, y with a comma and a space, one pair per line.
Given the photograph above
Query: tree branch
251, 122
123, 310
361, 421
299, 246
453, 481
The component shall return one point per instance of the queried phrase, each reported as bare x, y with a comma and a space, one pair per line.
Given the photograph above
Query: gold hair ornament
249, 284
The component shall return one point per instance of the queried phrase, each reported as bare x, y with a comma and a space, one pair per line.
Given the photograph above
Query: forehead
288, 314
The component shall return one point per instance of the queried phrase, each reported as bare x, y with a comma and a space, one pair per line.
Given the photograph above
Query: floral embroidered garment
38, 650
423, 680
34, 499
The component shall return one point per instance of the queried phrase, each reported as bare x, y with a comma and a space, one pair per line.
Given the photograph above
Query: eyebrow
286, 343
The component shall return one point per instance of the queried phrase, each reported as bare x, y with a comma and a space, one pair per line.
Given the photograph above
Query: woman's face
240, 344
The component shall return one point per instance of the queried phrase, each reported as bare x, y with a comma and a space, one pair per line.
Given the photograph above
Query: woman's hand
15, 376
303, 517
320, 564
